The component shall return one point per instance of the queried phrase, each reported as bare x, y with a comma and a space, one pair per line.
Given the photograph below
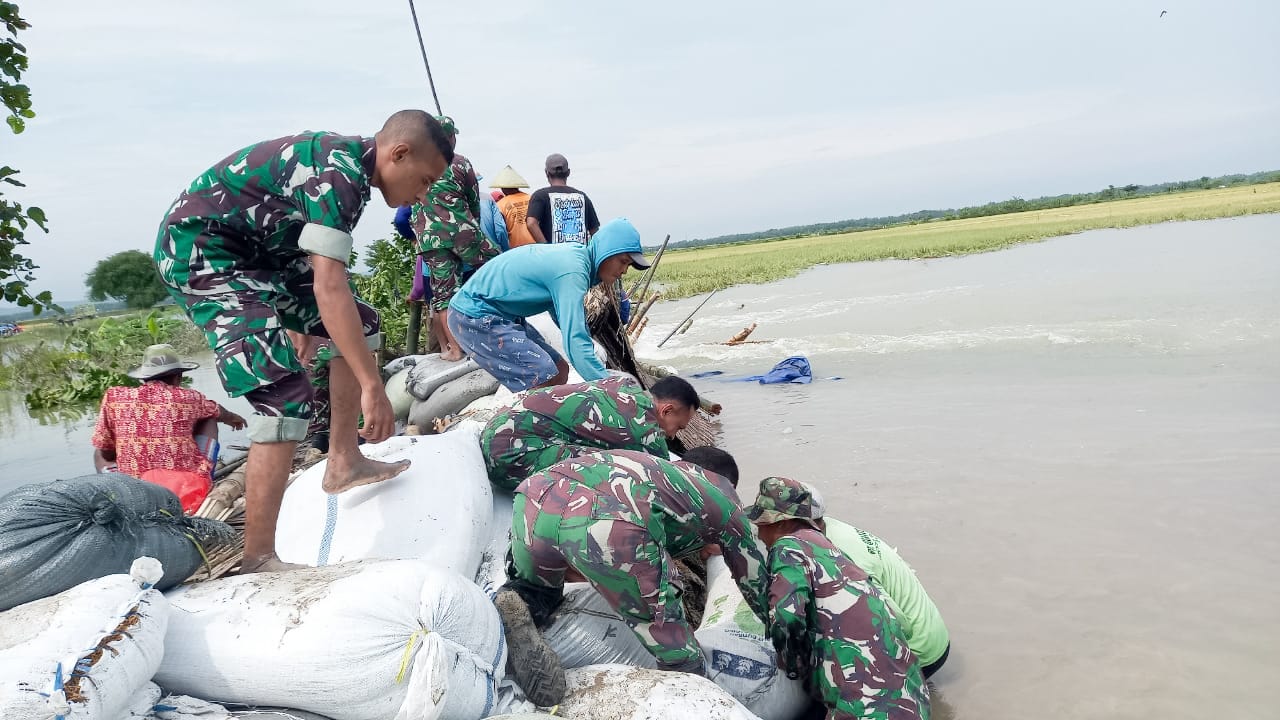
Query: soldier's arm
741, 549
789, 596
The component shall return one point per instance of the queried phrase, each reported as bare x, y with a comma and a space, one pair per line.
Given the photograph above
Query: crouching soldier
616, 520
556, 423
829, 624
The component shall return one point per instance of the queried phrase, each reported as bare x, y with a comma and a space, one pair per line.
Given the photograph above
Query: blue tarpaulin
792, 370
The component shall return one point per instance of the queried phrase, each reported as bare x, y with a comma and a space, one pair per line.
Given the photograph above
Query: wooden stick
643, 311
647, 277
695, 312
635, 334
740, 337
687, 324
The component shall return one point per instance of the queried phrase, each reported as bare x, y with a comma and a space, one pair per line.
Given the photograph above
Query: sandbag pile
437, 511
87, 653
585, 631
359, 641
54, 536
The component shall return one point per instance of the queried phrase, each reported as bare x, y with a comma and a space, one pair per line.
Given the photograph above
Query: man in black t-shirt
560, 213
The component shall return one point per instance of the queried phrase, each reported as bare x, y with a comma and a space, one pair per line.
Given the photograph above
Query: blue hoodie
532, 279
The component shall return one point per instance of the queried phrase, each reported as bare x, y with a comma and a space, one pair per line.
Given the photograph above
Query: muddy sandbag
438, 510
87, 653
430, 372
585, 631
54, 536
492, 573
398, 393
450, 398
740, 658
618, 692
400, 363
359, 641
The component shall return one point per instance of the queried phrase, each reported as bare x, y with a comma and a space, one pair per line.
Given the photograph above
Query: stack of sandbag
438, 510
585, 630
430, 372
359, 641
54, 536
87, 653
740, 658
451, 398
619, 692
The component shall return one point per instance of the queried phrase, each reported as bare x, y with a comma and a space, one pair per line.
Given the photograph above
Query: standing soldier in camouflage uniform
617, 519
447, 225
556, 423
258, 245
829, 624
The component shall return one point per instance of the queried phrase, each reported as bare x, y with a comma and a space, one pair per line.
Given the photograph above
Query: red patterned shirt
150, 427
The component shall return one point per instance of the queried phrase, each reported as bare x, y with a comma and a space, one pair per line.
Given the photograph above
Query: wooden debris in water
742, 336
635, 334
685, 327
641, 314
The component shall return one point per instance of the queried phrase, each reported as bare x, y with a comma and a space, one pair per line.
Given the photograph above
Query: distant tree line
1011, 205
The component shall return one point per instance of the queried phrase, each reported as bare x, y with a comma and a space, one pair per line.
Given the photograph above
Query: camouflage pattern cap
785, 499
446, 124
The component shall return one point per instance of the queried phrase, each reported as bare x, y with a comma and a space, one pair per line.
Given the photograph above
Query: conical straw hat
508, 178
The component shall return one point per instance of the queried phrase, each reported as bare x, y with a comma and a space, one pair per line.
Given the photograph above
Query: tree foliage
386, 287
129, 276
17, 272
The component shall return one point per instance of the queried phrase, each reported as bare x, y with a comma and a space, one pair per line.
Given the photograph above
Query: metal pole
682, 322
423, 47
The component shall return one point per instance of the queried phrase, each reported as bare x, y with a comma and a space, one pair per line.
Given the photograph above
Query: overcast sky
693, 118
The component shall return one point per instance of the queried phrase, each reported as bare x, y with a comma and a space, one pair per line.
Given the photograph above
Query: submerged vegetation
70, 370
686, 272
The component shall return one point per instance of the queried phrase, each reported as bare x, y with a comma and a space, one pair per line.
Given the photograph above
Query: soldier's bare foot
340, 477
268, 563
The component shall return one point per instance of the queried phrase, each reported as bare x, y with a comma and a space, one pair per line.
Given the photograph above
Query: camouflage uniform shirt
554, 424
447, 226
860, 665
619, 518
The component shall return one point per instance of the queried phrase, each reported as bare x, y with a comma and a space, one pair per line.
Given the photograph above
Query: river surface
1076, 443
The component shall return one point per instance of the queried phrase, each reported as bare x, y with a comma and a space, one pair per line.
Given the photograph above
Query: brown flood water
1075, 443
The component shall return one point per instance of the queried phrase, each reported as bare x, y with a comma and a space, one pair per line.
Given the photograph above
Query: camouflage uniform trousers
622, 559
859, 665
445, 248
318, 371
554, 424
244, 313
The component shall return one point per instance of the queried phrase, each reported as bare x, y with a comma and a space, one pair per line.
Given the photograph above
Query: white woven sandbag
359, 641
740, 658
85, 653
438, 510
586, 630
492, 573
619, 692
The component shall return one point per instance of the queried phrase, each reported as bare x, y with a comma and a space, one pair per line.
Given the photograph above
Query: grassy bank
691, 272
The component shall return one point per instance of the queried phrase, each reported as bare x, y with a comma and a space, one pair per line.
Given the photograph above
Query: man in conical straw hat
514, 205
154, 426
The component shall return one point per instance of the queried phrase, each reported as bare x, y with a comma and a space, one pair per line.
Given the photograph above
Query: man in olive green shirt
926, 633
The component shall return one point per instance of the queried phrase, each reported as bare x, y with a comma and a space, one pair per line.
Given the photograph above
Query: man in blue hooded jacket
488, 314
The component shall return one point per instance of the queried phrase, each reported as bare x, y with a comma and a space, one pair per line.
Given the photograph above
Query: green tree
129, 276
17, 272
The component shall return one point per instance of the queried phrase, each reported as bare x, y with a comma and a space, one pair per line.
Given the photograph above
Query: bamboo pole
647, 277
687, 319
644, 310
635, 335
415, 327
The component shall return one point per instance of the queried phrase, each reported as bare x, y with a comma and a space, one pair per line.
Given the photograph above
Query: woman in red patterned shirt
155, 426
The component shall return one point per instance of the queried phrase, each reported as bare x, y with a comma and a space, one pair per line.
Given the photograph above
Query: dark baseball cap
556, 163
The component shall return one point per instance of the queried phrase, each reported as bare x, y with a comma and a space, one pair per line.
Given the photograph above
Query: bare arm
534, 229
342, 320
226, 417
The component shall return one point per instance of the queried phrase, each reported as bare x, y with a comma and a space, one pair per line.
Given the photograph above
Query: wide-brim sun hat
158, 361
508, 178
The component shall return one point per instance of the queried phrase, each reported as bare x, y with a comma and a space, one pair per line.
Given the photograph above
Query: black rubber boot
530, 660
